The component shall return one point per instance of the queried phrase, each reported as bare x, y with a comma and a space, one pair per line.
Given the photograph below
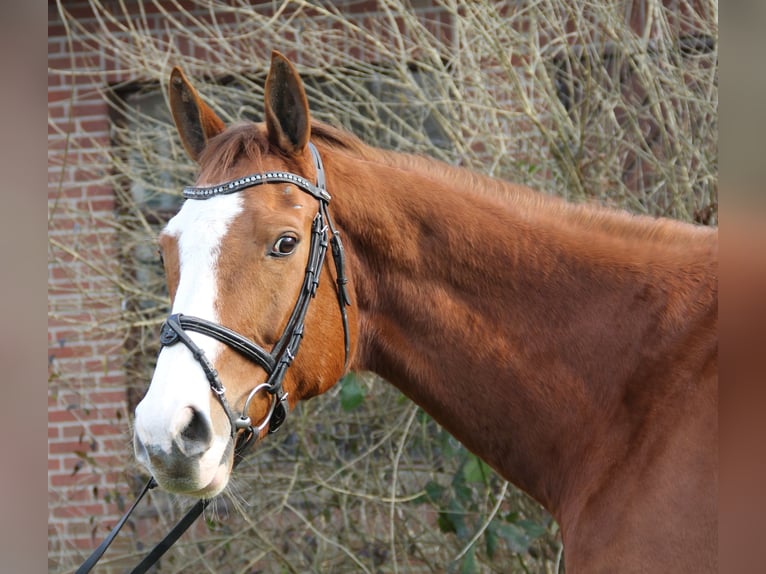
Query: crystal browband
253, 180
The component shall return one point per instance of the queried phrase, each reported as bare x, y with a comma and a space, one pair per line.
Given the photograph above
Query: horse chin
215, 486
198, 478
195, 487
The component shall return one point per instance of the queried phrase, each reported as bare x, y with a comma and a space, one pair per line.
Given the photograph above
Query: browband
256, 179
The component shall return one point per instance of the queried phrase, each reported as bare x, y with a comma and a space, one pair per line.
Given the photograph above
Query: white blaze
179, 381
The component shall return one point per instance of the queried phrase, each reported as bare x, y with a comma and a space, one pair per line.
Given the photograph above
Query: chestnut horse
573, 348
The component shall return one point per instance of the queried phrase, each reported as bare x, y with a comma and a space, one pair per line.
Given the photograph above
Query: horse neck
519, 331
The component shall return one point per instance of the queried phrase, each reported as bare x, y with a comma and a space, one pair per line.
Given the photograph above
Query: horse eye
285, 245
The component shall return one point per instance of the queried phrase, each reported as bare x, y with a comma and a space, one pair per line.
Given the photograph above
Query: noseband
276, 361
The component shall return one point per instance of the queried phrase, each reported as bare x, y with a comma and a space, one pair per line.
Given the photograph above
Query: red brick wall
87, 422
90, 462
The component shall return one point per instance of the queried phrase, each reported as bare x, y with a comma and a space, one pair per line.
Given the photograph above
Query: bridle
282, 354
274, 362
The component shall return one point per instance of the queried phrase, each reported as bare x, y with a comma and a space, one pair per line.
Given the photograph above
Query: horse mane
247, 141
524, 200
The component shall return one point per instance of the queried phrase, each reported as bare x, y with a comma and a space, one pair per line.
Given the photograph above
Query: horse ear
195, 121
286, 106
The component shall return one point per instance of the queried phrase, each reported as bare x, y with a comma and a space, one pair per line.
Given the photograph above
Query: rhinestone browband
252, 180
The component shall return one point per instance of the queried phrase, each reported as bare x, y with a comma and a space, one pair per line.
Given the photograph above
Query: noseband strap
176, 324
276, 361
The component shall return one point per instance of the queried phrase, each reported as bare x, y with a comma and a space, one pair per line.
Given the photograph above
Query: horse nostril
195, 432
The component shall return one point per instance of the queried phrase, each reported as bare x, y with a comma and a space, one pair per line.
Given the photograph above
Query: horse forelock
244, 142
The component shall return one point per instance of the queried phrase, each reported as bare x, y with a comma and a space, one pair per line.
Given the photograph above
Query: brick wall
87, 422
91, 473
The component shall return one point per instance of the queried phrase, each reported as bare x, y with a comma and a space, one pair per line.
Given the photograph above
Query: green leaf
452, 520
351, 394
434, 491
533, 529
468, 565
445, 522
520, 535
461, 491
423, 417
457, 517
490, 539
475, 470
515, 537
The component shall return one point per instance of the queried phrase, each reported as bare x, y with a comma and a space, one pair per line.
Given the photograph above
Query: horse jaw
181, 435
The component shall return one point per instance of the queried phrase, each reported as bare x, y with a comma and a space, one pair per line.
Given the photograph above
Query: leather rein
274, 362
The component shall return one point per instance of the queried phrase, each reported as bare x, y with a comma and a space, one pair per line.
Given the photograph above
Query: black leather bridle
274, 362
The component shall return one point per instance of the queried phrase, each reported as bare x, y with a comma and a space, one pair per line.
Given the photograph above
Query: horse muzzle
186, 456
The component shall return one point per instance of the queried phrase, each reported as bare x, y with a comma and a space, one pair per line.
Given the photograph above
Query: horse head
243, 259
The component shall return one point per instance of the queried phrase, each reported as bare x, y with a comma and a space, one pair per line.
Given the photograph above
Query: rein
274, 362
